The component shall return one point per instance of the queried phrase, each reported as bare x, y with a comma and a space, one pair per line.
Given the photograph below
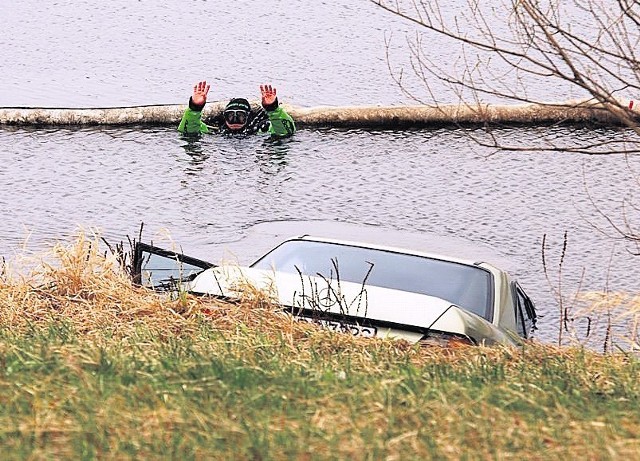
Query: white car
368, 290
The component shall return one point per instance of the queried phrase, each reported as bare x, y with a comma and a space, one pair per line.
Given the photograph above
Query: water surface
438, 187
206, 194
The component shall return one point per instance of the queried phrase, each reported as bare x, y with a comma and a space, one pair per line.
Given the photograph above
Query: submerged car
367, 290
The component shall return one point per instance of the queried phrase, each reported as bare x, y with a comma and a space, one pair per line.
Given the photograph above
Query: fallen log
381, 117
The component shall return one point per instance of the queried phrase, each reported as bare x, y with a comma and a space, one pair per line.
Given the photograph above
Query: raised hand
268, 95
200, 91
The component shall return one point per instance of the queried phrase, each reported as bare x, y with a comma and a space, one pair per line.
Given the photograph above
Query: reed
92, 366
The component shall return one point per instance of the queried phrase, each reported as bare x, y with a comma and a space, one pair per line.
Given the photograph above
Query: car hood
395, 313
339, 297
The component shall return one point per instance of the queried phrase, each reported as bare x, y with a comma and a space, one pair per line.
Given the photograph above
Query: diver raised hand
200, 92
269, 98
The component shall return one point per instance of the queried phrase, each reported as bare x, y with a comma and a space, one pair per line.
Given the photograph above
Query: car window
161, 269
467, 286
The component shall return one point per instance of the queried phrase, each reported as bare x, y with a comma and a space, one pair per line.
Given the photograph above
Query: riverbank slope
92, 366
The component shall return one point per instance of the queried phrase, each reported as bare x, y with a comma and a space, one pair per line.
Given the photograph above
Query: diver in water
238, 116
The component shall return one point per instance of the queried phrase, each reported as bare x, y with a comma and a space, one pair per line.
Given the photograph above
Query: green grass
93, 368
213, 395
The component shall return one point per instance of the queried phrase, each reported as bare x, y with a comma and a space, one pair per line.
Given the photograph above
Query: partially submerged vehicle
364, 289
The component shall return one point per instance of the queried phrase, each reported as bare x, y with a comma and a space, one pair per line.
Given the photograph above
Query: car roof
395, 249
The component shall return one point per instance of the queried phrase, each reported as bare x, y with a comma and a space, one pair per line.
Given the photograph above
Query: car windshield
466, 286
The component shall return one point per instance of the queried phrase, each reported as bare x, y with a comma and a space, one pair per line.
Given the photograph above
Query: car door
525, 312
162, 269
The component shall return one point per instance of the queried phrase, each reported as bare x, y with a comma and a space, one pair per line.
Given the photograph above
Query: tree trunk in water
389, 117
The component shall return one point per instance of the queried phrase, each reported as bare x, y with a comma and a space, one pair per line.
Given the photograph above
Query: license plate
343, 327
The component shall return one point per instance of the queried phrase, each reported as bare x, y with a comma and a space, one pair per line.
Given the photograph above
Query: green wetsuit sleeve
281, 123
192, 122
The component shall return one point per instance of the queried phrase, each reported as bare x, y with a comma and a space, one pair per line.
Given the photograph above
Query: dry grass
616, 314
95, 367
81, 286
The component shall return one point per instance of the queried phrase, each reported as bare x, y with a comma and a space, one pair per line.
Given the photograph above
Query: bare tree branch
585, 45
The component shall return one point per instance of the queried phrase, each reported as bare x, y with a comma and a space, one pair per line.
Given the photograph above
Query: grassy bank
92, 367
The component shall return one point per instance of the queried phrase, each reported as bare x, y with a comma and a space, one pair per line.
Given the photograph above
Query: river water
217, 195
